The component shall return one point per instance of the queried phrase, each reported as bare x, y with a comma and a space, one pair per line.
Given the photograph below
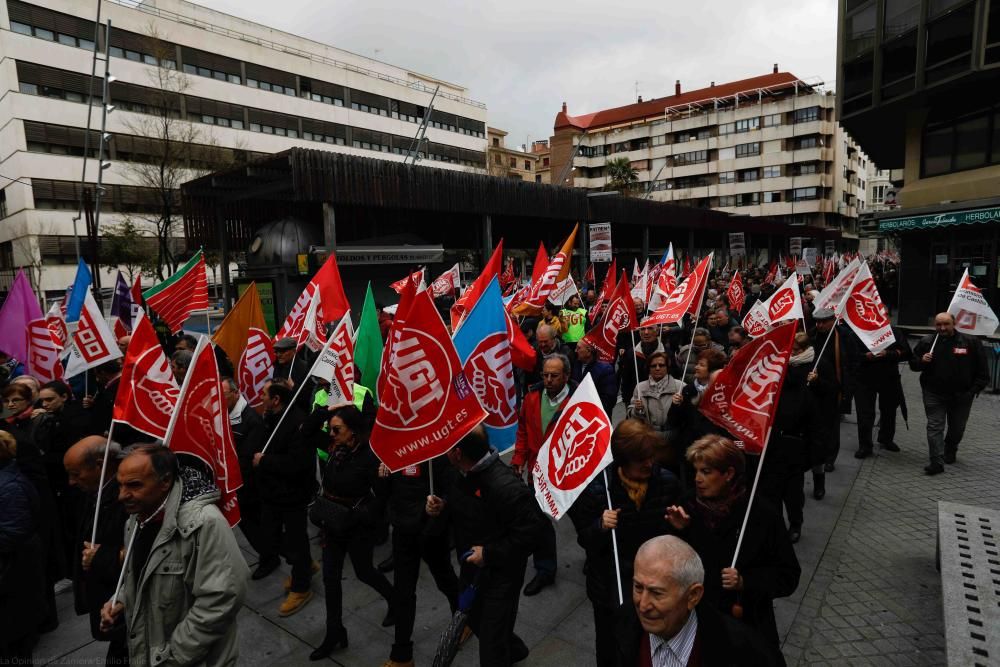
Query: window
772, 197
527, 165
748, 175
726, 128
698, 181
727, 177
772, 172
747, 124
746, 150
860, 29
949, 43
513, 163
806, 168
726, 201
545, 162
3, 204
27, 88
659, 140
965, 143
772, 120
806, 115
748, 199
21, 28
694, 157
901, 16
805, 194
496, 142
807, 142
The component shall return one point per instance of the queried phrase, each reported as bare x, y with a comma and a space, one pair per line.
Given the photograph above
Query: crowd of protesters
678, 486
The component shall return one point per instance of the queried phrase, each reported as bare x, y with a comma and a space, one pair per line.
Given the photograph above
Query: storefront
935, 247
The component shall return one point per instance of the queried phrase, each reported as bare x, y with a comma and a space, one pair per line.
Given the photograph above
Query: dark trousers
951, 411
606, 646
494, 611
865, 397
783, 485
544, 558
117, 651
408, 549
250, 521
283, 531
360, 547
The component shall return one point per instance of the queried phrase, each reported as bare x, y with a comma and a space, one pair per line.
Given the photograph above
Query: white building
765, 146
247, 89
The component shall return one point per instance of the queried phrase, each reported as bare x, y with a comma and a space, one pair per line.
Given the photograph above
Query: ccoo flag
972, 313
484, 348
577, 450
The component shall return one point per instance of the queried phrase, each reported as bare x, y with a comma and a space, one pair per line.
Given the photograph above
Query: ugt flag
147, 391
200, 427
578, 448
743, 397
863, 310
484, 348
685, 299
735, 293
426, 404
619, 316
972, 314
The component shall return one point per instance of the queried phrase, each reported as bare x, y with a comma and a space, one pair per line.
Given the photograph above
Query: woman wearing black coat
684, 419
352, 481
710, 522
640, 491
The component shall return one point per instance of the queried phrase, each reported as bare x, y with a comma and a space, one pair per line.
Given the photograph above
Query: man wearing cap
825, 382
288, 365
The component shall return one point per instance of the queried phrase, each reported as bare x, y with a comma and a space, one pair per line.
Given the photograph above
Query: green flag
368, 344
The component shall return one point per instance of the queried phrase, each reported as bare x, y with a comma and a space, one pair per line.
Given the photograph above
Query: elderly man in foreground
185, 577
666, 625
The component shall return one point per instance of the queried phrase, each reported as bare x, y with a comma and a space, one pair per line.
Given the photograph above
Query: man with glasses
539, 412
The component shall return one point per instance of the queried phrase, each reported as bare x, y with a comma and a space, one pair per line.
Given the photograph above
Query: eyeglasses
657, 365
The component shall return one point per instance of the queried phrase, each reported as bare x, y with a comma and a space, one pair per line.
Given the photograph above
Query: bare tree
168, 151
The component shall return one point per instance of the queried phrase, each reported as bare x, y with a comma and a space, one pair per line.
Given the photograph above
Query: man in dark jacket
288, 365
605, 380
249, 434
101, 404
96, 566
497, 525
877, 379
667, 623
286, 480
953, 372
415, 537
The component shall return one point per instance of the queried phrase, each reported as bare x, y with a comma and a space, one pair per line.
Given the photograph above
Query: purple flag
20, 308
121, 302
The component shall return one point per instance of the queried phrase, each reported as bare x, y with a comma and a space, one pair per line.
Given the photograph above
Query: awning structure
406, 254
943, 219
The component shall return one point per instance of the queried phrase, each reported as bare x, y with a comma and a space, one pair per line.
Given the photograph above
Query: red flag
43, 352
790, 263
735, 293
541, 263
522, 353
181, 294
743, 397
555, 272
147, 390
863, 310
476, 289
685, 299
772, 273
507, 278
619, 316
200, 428
829, 270
519, 297
406, 298
687, 265
426, 404
588, 277
332, 300
416, 278
607, 289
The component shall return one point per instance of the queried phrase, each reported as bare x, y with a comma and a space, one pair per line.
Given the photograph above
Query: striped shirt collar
676, 651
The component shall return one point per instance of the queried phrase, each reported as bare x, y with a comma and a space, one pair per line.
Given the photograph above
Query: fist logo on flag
618, 318
865, 309
491, 373
154, 389
756, 388
572, 459
415, 394
781, 304
256, 365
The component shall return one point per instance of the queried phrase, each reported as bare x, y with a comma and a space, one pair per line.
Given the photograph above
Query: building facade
507, 162
236, 88
765, 146
917, 81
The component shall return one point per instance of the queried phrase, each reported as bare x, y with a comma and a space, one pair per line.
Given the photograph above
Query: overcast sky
523, 58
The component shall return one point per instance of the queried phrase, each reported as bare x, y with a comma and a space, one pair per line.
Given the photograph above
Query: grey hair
163, 460
546, 328
96, 453
685, 565
182, 358
567, 367
701, 331
231, 383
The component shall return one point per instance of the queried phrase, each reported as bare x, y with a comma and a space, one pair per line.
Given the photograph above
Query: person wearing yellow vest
364, 401
574, 321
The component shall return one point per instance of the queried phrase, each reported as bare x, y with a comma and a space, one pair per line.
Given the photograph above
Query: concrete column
487, 230
220, 228
645, 243
329, 227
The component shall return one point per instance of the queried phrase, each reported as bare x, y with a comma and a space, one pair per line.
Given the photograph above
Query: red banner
43, 352
426, 404
147, 391
685, 299
256, 366
735, 293
744, 395
619, 316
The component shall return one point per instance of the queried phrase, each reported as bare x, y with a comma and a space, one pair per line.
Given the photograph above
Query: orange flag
555, 273
243, 337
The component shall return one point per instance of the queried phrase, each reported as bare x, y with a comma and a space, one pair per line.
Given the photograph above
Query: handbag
332, 516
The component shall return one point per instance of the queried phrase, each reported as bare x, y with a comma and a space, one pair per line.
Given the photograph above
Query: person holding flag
953, 371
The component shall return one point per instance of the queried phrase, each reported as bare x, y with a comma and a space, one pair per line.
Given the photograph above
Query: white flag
973, 314
640, 287
313, 333
756, 322
447, 282
563, 291
92, 342
832, 295
335, 363
577, 450
863, 310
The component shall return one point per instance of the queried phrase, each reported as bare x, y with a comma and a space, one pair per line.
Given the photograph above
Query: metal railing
284, 48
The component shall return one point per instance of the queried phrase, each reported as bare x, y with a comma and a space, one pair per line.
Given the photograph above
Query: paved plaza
869, 593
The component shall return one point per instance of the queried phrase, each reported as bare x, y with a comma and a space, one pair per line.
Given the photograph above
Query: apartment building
245, 90
543, 166
507, 162
764, 146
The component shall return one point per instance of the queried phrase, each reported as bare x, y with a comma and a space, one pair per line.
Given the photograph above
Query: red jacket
529, 427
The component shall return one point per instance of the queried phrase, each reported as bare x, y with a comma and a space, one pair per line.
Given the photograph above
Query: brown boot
294, 603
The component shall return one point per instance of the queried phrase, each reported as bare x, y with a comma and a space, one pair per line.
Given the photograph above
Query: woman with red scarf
766, 568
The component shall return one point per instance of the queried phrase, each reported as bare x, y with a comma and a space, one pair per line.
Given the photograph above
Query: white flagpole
697, 316
753, 492
100, 484
128, 554
326, 346
614, 542
635, 365
430, 474
830, 335
208, 325
202, 342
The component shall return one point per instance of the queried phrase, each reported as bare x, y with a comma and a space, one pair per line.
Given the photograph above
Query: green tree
622, 176
128, 246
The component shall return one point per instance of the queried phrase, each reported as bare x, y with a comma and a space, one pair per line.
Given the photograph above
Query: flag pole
430, 475
694, 328
825, 343
931, 351
208, 325
100, 484
635, 365
753, 492
614, 541
326, 346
